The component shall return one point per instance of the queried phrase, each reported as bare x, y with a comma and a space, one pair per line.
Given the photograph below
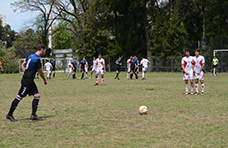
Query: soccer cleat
87, 78
186, 93
118, 78
90, 78
192, 92
83, 78
145, 78
115, 77
11, 118
96, 84
35, 117
202, 93
196, 93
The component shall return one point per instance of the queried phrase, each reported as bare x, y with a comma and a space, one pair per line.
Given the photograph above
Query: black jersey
33, 63
118, 61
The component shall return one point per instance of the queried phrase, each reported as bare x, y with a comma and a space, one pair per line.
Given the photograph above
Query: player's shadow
43, 117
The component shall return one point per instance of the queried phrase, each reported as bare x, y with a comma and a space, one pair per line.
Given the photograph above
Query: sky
16, 20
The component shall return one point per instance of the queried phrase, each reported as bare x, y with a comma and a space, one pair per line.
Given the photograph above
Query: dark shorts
74, 70
53, 69
82, 69
27, 88
214, 66
117, 68
133, 69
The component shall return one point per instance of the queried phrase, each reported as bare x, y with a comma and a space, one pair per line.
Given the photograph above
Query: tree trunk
147, 36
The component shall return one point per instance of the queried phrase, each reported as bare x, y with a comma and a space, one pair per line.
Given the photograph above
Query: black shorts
133, 69
214, 66
74, 70
27, 88
82, 69
53, 69
117, 68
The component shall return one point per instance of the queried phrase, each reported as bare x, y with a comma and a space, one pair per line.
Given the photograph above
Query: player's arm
201, 68
104, 68
23, 66
80, 67
42, 75
148, 63
184, 69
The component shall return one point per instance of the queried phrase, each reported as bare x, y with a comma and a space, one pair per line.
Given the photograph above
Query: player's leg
131, 75
73, 75
50, 73
91, 74
116, 74
37, 75
136, 75
192, 86
186, 86
196, 85
128, 72
34, 91
97, 73
145, 75
87, 74
202, 86
102, 78
54, 74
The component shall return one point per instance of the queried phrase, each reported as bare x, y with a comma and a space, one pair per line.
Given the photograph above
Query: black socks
14, 105
35, 103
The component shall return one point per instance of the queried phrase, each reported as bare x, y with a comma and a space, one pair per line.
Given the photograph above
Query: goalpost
214, 52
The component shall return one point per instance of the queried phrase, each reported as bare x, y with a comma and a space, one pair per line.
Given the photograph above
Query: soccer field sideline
78, 114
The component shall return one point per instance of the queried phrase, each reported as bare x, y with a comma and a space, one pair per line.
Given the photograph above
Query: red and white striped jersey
188, 62
198, 62
100, 63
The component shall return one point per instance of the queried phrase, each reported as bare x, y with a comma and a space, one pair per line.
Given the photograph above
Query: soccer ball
143, 110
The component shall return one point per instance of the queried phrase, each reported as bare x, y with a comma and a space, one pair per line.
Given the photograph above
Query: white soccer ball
143, 110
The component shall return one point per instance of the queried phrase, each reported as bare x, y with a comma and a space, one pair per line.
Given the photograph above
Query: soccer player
53, 63
86, 69
30, 67
93, 67
100, 68
1, 66
70, 69
82, 67
215, 63
137, 68
118, 64
198, 65
145, 64
133, 67
187, 63
74, 68
129, 66
48, 67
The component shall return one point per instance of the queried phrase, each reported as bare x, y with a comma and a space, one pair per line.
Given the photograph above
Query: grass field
78, 114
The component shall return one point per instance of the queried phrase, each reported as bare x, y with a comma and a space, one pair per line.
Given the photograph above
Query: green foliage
9, 59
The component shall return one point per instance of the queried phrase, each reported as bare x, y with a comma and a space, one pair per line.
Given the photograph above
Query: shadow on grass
43, 117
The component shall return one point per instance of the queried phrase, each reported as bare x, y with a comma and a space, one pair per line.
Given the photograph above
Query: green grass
78, 114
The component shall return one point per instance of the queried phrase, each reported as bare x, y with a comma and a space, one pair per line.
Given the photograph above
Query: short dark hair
143, 57
53, 58
75, 58
197, 50
99, 54
47, 60
187, 50
40, 46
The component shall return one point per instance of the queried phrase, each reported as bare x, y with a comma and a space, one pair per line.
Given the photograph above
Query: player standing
187, 63
86, 69
129, 66
93, 67
145, 64
53, 63
100, 68
74, 68
48, 67
82, 67
137, 68
198, 65
133, 67
215, 63
30, 67
70, 69
118, 64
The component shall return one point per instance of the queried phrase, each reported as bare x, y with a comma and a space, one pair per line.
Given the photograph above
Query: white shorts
200, 76
128, 69
86, 69
137, 70
100, 70
189, 76
144, 68
70, 70
48, 71
93, 69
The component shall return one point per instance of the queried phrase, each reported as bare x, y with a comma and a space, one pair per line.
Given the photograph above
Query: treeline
122, 28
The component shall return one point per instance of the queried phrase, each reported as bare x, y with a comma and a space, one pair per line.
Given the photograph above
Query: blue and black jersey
53, 64
133, 62
74, 64
83, 63
33, 63
118, 61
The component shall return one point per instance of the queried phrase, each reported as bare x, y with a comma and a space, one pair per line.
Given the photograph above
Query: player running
30, 67
48, 67
70, 69
93, 67
118, 64
86, 69
74, 68
145, 64
100, 68
82, 67
133, 67
53, 63
129, 66
215, 63
198, 65
187, 63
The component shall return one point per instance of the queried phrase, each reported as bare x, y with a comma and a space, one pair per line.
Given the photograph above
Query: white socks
186, 88
196, 86
143, 74
202, 85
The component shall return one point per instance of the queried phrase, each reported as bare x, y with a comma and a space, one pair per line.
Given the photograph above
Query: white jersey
100, 63
144, 63
70, 66
198, 62
128, 63
48, 66
94, 63
86, 65
188, 62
